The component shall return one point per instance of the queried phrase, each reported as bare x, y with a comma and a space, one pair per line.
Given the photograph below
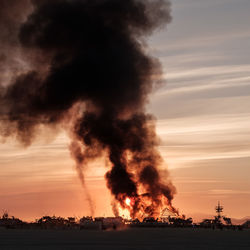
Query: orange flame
128, 201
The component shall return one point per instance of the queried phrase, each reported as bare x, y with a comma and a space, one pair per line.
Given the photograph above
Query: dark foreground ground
141, 239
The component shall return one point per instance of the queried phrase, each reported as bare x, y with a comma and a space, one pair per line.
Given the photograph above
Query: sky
203, 123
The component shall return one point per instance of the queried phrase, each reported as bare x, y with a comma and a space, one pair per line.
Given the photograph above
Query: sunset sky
203, 122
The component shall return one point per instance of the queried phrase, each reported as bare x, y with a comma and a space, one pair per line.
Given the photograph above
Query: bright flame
128, 201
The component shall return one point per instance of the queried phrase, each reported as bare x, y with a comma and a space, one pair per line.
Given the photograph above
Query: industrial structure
219, 220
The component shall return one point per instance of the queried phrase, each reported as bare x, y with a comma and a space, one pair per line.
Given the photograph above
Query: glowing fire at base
128, 201
143, 206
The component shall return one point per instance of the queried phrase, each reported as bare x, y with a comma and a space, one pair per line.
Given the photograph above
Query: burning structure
85, 67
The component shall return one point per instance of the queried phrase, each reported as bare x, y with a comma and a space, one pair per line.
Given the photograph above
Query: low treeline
103, 223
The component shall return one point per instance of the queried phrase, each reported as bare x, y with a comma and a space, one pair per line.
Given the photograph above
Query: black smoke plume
87, 68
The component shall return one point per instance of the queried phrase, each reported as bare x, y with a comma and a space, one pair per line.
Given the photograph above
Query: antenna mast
219, 210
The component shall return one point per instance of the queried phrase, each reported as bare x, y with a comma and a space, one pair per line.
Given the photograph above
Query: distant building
167, 215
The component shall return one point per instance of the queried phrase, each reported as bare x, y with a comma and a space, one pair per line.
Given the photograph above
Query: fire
128, 201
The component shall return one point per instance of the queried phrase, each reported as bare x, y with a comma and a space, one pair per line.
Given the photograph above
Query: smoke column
86, 68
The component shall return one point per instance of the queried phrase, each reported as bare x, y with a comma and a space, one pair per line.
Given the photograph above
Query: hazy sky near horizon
203, 122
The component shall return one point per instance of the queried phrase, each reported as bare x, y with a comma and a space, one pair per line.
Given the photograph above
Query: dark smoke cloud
90, 68
12, 14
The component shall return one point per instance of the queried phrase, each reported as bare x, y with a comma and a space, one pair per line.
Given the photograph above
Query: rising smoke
85, 66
